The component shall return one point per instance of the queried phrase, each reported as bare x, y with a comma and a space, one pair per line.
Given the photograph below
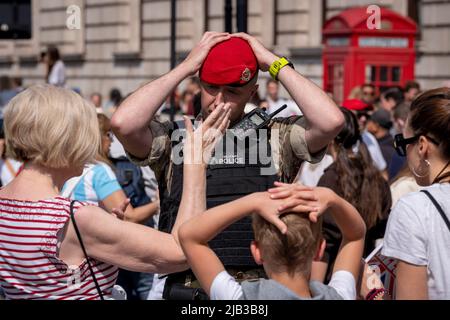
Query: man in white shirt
275, 102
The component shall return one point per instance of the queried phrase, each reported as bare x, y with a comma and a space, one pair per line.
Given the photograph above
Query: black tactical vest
230, 177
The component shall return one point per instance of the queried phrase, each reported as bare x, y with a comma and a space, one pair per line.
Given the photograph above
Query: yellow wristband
276, 66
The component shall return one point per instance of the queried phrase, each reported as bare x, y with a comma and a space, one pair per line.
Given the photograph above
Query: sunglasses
400, 142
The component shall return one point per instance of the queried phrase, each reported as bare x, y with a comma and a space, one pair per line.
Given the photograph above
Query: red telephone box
355, 53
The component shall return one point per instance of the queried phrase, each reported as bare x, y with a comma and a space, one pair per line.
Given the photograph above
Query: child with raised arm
287, 227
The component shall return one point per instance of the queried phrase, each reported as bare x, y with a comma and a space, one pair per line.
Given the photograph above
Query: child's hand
297, 197
268, 208
120, 212
198, 144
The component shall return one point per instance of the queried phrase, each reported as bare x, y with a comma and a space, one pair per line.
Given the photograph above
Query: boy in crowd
287, 228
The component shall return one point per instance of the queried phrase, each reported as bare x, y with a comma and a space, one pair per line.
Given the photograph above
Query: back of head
53, 54
394, 93
402, 110
382, 117
50, 126
349, 134
430, 114
115, 96
411, 84
5, 83
292, 252
357, 173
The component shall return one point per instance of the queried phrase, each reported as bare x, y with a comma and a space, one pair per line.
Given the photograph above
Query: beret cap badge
246, 75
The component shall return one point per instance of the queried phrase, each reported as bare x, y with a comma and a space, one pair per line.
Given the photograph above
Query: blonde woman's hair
52, 127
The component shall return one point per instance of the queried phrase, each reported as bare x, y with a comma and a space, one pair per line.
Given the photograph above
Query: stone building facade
125, 43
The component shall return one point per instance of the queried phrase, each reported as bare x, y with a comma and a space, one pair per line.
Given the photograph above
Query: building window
383, 77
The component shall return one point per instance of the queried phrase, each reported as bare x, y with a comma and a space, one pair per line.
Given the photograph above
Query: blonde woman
55, 132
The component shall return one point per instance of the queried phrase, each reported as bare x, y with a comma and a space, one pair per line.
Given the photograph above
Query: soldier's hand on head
263, 55
200, 142
198, 54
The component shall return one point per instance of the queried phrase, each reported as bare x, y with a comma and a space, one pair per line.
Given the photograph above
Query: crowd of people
94, 205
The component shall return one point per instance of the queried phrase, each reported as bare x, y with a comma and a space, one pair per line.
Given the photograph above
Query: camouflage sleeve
297, 140
159, 154
292, 148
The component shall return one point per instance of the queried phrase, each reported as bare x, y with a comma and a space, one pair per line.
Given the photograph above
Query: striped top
29, 263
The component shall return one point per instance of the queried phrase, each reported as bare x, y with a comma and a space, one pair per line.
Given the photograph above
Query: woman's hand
269, 209
265, 57
199, 53
297, 197
198, 144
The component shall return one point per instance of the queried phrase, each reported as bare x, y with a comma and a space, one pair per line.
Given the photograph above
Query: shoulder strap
72, 217
438, 207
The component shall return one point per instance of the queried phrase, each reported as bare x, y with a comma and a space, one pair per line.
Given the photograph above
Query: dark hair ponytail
360, 181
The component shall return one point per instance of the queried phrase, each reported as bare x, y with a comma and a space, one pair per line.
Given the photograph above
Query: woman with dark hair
418, 231
353, 177
56, 71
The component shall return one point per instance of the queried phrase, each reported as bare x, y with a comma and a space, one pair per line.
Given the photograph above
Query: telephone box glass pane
373, 74
395, 74
383, 73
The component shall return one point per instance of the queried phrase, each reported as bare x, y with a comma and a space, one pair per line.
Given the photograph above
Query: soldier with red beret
228, 67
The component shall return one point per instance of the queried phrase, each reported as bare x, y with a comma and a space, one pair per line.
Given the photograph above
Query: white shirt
225, 287
156, 292
417, 234
57, 76
310, 173
374, 149
403, 186
291, 110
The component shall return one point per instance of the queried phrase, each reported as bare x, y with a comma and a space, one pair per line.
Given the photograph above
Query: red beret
354, 104
230, 62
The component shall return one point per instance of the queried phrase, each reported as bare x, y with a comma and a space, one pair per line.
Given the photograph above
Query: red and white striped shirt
29, 263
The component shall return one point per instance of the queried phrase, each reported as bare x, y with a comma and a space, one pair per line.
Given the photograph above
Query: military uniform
288, 151
229, 175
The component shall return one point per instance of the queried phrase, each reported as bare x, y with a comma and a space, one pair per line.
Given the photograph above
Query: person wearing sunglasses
418, 230
368, 93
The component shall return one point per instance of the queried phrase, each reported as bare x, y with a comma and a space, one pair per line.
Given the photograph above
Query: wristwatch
277, 65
